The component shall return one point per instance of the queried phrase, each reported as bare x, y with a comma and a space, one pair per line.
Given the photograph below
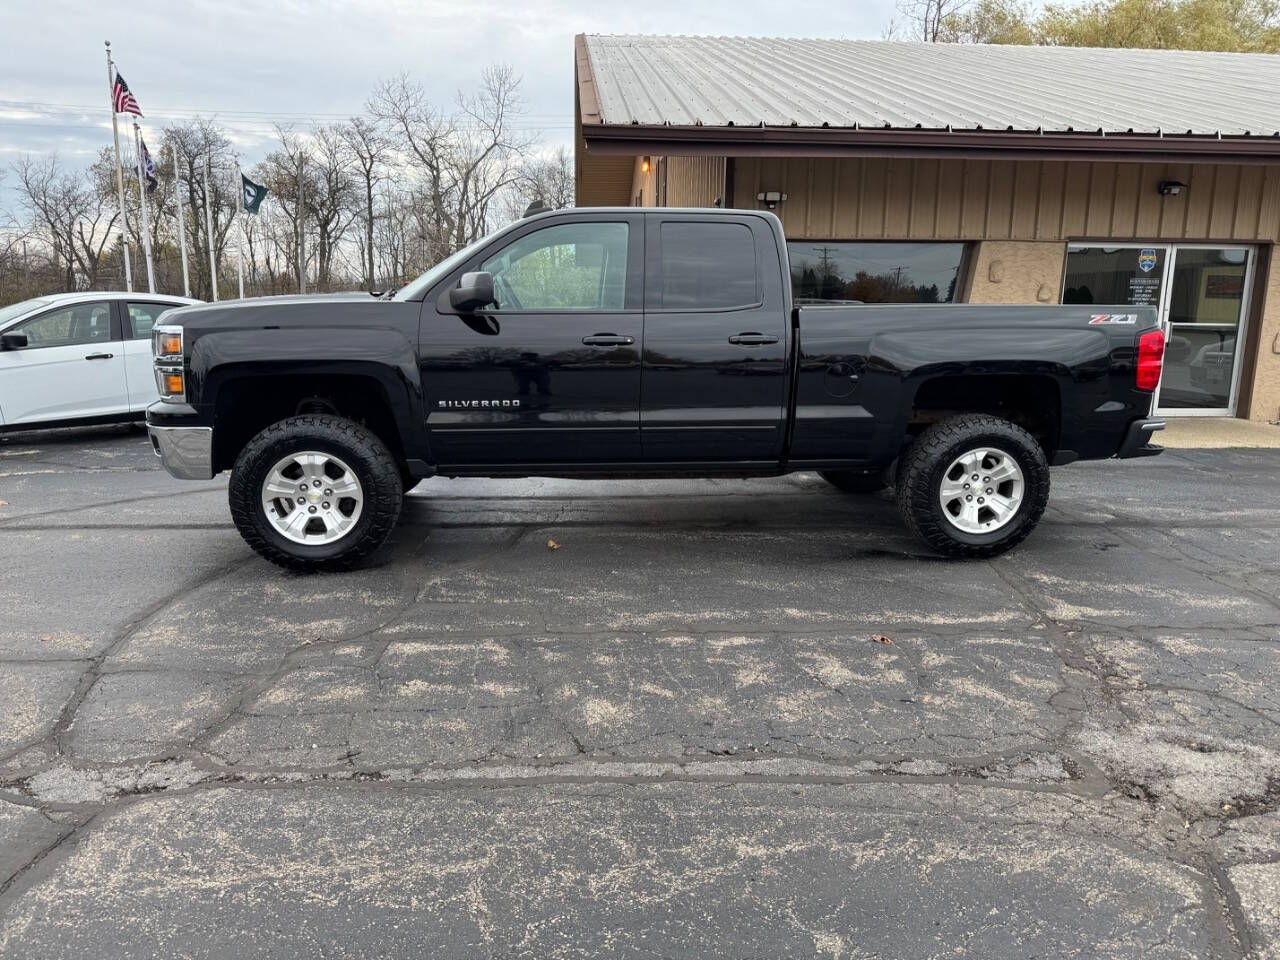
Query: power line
260, 116
236, 125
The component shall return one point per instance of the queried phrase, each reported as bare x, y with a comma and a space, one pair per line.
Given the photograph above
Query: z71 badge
1100, 318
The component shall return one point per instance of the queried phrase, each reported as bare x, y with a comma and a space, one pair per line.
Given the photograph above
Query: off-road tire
854, 481
368, 456
921, 473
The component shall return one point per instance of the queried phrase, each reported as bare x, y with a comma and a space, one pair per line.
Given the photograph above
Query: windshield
18, 309
416, 288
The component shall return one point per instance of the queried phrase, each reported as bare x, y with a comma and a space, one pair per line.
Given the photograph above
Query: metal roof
871, 84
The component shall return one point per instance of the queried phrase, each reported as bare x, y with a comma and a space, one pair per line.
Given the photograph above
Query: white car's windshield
416, 288
18, 309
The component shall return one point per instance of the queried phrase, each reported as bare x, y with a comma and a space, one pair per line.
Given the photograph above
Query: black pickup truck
631, 342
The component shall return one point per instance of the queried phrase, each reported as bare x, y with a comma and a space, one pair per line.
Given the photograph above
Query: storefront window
876, 272
1201, 292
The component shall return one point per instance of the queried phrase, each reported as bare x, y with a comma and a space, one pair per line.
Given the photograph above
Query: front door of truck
550, 372
714, 383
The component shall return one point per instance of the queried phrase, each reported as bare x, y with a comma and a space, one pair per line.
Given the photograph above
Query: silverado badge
476, 404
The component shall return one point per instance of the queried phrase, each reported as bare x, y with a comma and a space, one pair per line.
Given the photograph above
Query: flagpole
142, 198
115, 133
240, 227
182, 230
208, 226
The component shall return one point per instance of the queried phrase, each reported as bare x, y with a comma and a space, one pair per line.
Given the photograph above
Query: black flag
254, 194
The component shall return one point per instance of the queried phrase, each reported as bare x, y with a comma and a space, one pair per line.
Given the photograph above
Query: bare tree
279, 172
545, 177
198, 143
464, 160
68, 216
328, 191
369, 149
384, 195
925, 19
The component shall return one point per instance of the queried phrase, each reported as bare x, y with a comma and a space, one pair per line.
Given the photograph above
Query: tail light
1150, 359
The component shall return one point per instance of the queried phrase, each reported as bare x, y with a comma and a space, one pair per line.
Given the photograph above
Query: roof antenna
538, 206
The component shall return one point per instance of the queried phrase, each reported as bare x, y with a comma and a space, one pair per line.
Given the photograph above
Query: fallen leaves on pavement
552, 545
881, 638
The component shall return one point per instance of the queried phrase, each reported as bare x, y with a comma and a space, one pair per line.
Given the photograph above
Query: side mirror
474, 290
12, 341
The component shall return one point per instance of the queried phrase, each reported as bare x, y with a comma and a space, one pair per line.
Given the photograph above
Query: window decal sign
1147, 259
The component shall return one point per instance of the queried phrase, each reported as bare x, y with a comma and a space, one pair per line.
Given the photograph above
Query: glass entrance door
1202, 294
1205, 309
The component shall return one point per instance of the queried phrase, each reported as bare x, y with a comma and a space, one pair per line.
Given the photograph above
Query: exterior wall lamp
771, 198
1170, 188
644, 164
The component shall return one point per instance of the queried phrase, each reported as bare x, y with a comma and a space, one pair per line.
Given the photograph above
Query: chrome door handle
608, 340
100, 356
752, 339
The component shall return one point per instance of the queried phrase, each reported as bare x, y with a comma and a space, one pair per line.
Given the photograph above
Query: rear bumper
1137, 439
186, 452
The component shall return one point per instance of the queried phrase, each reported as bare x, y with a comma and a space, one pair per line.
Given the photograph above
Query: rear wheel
315, 492
973, 486
853, 481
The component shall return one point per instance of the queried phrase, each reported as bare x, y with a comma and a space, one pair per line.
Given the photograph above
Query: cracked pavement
675, 736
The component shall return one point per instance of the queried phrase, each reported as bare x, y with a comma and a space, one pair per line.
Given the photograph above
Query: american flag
123, 98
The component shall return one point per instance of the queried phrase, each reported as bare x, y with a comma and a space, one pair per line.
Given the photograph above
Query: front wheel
973, 486
315, 492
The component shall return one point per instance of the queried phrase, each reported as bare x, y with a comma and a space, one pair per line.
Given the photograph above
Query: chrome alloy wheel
312, 498
981, 490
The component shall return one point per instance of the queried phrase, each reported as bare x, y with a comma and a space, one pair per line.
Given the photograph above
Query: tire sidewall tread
935, 449
360, 448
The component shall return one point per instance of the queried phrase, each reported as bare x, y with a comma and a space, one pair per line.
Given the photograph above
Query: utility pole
302, 253
115, 133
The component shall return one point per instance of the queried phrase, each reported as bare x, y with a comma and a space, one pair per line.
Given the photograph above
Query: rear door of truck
714, 375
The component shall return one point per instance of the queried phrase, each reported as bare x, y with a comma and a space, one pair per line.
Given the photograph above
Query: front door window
573, 266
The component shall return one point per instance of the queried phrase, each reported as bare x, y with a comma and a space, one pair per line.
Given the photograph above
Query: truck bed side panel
861, 369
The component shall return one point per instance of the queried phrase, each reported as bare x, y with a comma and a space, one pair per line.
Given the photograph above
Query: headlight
166, 347
166, 342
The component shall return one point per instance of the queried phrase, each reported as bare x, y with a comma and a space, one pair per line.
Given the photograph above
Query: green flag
254, 194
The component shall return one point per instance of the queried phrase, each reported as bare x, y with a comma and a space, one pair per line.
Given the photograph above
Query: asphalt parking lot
680, 733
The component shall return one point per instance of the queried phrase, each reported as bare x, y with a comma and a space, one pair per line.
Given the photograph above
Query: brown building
920, 172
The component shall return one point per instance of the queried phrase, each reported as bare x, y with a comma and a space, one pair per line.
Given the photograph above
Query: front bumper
1137, 439
186, 452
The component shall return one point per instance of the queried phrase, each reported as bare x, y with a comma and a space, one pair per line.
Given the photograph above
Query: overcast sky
310, 61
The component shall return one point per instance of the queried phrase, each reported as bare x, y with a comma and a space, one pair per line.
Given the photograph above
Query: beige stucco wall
1016, 271
1264, 404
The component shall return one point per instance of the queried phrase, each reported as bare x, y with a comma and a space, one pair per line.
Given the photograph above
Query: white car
78, 358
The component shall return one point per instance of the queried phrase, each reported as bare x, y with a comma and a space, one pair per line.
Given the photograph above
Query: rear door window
708, 266
144, 316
